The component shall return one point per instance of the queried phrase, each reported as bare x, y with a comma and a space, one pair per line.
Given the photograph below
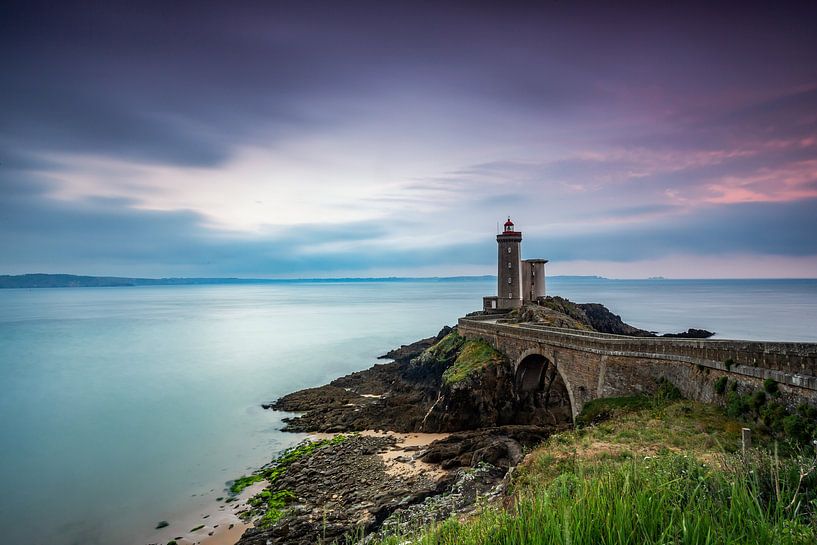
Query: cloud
783, 229
111, 236
291, 138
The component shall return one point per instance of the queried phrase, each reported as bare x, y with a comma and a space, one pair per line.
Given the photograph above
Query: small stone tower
509, 275
533, 279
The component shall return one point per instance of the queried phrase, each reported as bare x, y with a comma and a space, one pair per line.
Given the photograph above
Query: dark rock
499, 446
691, 333
601, 319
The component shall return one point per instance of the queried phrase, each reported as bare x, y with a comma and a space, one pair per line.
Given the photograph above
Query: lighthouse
517, 281
509, 274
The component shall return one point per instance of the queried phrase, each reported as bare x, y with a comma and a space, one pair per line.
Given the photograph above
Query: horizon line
374, 278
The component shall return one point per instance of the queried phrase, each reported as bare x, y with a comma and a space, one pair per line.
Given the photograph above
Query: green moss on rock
270, 504
274, 504
473, 356
444, 351
243, 482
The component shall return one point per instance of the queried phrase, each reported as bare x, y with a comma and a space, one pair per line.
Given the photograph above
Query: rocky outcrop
501, 447
691, 333
453, 385
561, 312
601, 319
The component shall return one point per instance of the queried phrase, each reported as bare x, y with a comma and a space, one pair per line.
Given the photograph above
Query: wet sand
220, 523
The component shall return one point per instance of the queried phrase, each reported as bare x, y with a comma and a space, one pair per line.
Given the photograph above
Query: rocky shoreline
412, 441
371, 484
420, 467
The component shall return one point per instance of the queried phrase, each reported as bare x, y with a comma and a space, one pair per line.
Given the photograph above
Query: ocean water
121, 407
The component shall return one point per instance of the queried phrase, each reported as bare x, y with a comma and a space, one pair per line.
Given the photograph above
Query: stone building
518, 281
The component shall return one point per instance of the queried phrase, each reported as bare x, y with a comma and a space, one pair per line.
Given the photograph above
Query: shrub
757, 400
729, 363
807, 411
599, 410
736, 405
795, 427
720, 385
772, 415
667, 391
770, 386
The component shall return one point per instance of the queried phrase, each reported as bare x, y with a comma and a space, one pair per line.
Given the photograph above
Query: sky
325, 139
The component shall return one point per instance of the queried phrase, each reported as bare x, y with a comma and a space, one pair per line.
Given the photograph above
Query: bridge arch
536, 372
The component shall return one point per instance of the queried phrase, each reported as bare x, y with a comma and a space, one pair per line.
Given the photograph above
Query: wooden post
746, 439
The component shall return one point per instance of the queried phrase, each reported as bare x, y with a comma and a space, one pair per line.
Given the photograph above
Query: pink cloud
789, 182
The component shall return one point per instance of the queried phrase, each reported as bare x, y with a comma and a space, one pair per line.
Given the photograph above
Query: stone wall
596, 365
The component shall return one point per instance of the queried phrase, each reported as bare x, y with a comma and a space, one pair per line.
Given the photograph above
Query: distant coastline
44, 280
47, 280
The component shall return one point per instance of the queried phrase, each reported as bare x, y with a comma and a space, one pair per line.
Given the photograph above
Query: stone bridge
591, 365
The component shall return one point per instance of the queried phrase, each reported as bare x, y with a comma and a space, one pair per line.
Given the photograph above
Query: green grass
473, 356
668, 499
659, 472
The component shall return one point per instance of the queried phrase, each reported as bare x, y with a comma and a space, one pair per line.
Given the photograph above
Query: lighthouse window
509, 264
509, 249
509, 280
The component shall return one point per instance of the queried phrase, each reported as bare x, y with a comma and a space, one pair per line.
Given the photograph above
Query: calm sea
121, 407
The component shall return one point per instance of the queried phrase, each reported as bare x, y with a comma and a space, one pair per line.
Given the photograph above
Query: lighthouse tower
509, 274
517, 281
